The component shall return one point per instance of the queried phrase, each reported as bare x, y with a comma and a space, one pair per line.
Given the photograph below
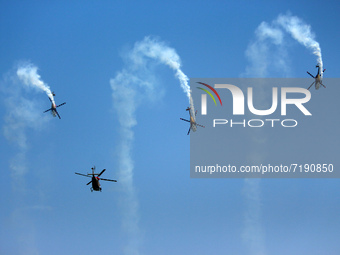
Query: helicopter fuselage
95, 184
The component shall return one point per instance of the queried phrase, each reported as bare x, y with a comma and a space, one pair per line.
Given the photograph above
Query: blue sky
79, 48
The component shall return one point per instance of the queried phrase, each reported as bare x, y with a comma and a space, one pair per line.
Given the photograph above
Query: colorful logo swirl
209, 93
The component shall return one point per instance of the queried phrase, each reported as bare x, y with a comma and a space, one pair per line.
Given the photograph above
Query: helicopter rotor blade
101, 172
184, 120
82, 174
48, 110
200, 125
60, 104
311, 74
88, 183
108, 180
311, 85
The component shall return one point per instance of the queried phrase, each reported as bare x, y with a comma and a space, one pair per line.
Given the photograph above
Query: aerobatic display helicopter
53, 108
193, 124
95, 179
318, 78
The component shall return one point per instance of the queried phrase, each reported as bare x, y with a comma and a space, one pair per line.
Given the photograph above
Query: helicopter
318, 78
95, 179
54, 107
192, 121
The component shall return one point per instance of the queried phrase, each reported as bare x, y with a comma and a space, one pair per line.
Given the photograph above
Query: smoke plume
134, 84
301, 32
266, 54
269, 47
28, 74
22, 115
152, 48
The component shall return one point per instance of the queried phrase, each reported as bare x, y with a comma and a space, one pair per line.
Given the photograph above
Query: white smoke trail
268, 53
125, 103
28, 74
253, 233
152, 48
301, 32
259, 52
132, 86
21, 114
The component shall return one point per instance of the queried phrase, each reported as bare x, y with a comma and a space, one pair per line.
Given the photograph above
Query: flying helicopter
95, 179
193, 124
318, 78
53, 108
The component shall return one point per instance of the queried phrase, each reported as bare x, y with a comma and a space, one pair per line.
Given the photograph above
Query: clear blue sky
78, 47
